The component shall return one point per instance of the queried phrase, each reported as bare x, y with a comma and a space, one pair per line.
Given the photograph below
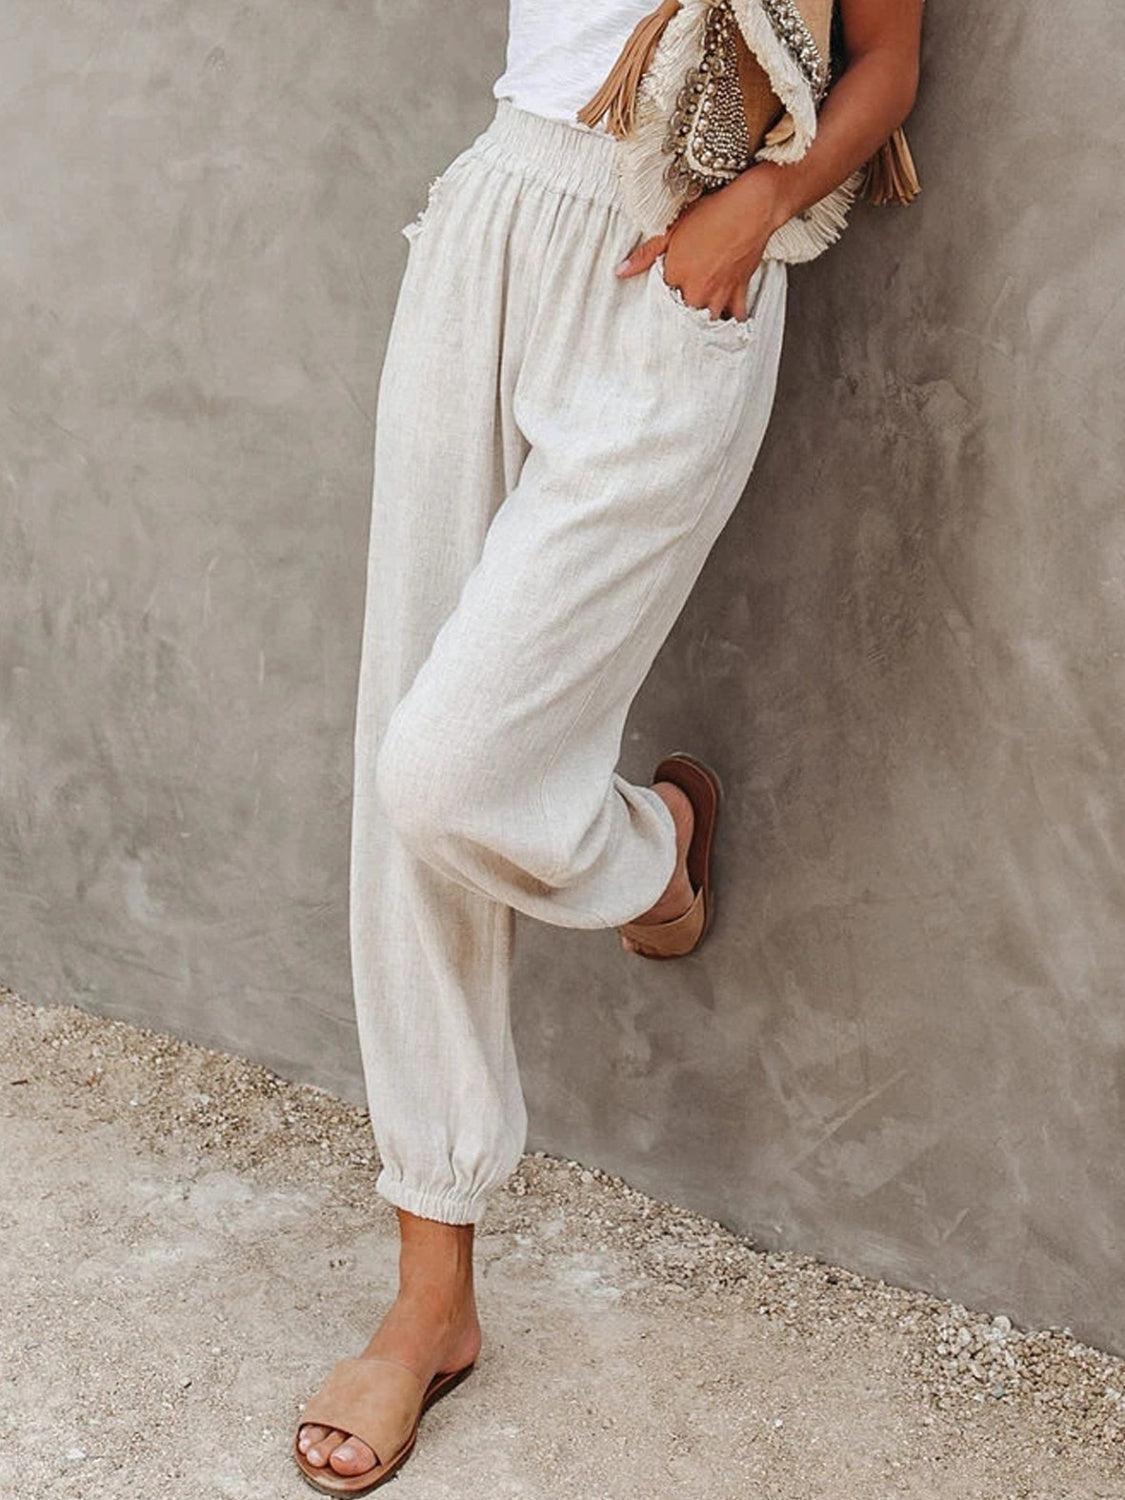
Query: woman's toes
353, 1457
309, 1434
323, 1449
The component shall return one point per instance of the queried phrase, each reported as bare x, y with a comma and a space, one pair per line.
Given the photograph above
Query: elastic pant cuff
445, 1205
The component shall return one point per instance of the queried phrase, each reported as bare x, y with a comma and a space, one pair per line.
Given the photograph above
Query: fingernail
623, 267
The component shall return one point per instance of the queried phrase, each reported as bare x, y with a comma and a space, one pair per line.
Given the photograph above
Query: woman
566, 420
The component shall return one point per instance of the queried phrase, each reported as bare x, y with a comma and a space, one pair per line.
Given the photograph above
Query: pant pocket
730, 334
434, 194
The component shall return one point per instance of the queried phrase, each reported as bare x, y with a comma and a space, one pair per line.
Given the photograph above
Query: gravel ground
187, 1242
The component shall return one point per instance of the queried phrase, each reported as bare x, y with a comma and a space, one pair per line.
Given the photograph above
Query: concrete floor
188, 1243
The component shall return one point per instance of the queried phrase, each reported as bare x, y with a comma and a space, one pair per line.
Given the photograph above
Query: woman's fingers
730, 301
641, 257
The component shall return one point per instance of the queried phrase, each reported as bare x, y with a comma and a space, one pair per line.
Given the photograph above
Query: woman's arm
716, 244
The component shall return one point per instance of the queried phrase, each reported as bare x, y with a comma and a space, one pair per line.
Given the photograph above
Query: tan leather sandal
683, 934
379, 1401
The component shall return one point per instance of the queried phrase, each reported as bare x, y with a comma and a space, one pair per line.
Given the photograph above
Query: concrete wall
904, 1047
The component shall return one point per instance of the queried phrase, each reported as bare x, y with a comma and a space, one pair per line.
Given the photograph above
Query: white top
559, 51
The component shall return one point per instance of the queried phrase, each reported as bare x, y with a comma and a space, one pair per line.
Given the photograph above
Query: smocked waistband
568, 158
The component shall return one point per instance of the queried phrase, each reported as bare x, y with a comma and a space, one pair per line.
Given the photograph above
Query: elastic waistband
568, 158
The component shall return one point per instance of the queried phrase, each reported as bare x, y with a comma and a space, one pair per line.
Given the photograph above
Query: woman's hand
715, 245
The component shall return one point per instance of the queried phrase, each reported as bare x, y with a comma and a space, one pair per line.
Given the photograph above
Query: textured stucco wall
200, 206
904, 1046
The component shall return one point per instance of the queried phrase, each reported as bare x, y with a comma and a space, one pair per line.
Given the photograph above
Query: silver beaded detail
790, 28
707, 141
707, 138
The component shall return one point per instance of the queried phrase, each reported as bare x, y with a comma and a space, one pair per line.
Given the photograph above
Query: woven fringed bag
704, 88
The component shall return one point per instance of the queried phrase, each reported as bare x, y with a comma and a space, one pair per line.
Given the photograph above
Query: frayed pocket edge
411, 231
728, 333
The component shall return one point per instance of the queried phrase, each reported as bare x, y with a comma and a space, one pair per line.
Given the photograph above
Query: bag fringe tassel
890, 176
617, 97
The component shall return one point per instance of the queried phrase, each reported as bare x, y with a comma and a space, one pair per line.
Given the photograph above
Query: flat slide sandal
379, 1401
683, 934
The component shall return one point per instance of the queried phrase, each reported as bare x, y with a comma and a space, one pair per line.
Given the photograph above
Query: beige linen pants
556, 451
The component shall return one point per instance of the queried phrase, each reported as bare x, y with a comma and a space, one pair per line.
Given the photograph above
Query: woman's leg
557, 451
551, 472
430, 958
498, 764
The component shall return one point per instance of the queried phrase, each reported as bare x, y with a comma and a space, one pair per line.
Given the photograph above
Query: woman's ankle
452, 1299
435, 1260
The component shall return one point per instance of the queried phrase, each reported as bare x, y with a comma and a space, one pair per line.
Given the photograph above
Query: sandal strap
669, 939
376, 1400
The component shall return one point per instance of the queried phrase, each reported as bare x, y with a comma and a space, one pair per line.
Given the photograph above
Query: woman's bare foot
431, 1325
678, 894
